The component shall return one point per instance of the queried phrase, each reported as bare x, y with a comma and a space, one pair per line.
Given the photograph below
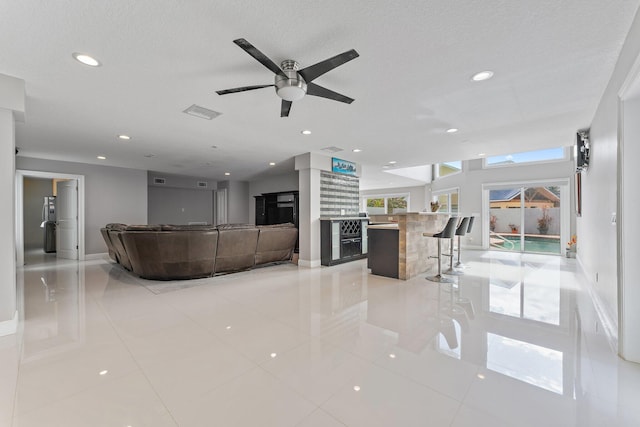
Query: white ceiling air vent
332, 149
202, 184
201, 112
159, 181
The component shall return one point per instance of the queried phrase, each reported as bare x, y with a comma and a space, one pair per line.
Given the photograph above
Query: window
548, 155
447, 168
447, 199
386, 205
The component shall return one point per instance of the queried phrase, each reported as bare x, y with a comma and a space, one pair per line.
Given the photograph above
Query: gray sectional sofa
172, 252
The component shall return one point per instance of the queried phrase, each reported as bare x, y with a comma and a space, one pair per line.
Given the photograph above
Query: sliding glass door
525, 218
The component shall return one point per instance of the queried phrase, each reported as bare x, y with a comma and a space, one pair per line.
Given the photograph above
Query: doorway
527, 217
24, 212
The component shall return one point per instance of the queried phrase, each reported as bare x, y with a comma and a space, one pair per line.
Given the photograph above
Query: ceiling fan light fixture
291, 93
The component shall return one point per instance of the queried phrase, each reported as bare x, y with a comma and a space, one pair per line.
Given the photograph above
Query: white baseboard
103, 255
9, 327
609, 324
315, 263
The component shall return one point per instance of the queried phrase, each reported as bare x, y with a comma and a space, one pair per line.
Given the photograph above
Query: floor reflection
504, 345
54, 310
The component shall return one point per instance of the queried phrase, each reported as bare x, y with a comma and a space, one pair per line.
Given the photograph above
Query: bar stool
460, 231
446, 233
459, 264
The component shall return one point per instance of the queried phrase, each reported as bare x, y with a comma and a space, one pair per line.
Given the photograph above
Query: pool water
544, 245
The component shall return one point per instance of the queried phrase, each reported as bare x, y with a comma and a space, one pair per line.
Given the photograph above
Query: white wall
597, 237
473, 176
12, 107
237, 201
417, 200
180, 200
111, 195
7, 216
271, 184
179, 205
629, 205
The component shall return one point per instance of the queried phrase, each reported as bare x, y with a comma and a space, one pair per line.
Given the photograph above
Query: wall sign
343, 166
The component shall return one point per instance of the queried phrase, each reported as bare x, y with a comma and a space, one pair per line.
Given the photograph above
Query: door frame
19, 209
628, 343
565, 204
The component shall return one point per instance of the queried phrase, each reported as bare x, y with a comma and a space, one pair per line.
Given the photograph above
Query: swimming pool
545, 245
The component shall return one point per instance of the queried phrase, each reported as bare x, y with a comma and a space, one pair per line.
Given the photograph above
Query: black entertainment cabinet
277, 208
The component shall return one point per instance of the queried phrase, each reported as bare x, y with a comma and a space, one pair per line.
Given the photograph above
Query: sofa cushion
236, 249
275, 244
143, 227
167, 255
115, 226
116, 241
176, 227
107, 240
234, 226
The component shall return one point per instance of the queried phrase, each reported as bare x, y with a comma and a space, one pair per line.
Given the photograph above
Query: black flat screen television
582, 151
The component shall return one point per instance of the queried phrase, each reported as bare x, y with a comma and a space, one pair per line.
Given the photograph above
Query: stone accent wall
339, 194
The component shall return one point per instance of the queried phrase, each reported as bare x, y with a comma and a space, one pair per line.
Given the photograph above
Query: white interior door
221, 206
67, 219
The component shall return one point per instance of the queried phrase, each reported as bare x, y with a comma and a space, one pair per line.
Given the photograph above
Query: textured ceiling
552, 60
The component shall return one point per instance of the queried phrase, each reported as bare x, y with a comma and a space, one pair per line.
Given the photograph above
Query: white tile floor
513, 345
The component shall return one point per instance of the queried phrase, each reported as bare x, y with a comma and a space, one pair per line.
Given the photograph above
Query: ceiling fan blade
315, 90
259, 56
285, 108
241, 89
312, 72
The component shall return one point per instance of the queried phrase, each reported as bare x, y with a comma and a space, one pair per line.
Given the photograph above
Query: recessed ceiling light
125, 137
482, 154
102, 157
392, 162
481, 376
227, 173
385, 167
86, 59
105, 372
482, 75
306, 132
356, 150
273, 355
392, 356
452, 130
228, 327
356, 387
272, 164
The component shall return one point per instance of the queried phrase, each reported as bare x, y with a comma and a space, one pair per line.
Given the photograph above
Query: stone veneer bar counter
413, 248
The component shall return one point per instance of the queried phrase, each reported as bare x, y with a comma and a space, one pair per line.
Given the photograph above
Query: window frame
565, 157
448, 192
435, 171
385, 196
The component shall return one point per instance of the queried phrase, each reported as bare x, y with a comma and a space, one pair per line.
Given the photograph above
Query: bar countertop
339, 218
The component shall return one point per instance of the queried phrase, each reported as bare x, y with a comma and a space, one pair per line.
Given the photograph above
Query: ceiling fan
291, 82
